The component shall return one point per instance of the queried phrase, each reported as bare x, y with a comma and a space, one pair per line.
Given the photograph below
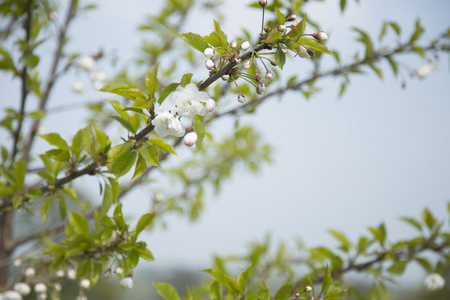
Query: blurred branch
52, 77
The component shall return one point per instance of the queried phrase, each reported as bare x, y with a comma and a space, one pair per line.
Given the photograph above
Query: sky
374, 155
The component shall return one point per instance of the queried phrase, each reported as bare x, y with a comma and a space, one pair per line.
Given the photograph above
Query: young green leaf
151, 82
166, 92
55, 140
121, 159
327, 280
313, 44
280, 58
45, 208
144, 221
150, 154
199, 128
141, 166
78, 223
281, 18
186, 79
284, 292
194, 40
167, 291
163, 145
125, 123
122, 89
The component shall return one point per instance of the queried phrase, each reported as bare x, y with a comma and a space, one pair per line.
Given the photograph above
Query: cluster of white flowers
434, 281
98, 78
189, 102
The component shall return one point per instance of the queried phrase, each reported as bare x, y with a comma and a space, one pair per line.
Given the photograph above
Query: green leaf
340, 236
31, 60
273, 37
412, 222
243, 276
284, 292
194, 40
121, 159
55, 140
379, 233
342, 4
222, 36
229, 283
45, 208
125, 123
313, 44
71, 193
199, 128
397, 268
19, 172
298, 29
363, 244
166, 92
118, 217
186, 79
163, 145
140, 102
417, 32
425, 264
281, 18
365, 39
167, 291
150, 154
334, 292
327, 280
78, 223
151, 82
144, 222
122, 89
141, 166
107, 200
145, 254
280, 58
428, 219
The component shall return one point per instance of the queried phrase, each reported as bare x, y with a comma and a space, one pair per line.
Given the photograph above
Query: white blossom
11, 295
190, 139
85, 283
209, 64
40, 288
210, 105
98, 76
29, 272
127, 282
321, 36
189, 101
301, 51
248, 64
167, 124
53, 15
269, 75
72, 274
245, 45
282, 27
87, 63
22, 288
425, 70
261, 87
233, 44
41, 296
78, 86
17, 262
307, 289
119, 270
60, 273
57, 286
241, 98
209, 52
434, 281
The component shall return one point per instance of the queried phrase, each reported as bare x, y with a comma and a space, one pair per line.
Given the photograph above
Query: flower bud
11, 295
190, 139
283, 50
224, 77
269, 75
261, 87
78, 86
17, 262
22, 288
263, 3
281, 27
87, 63
245, 45
209, 64
320, 36
29, 272
57, 286
107, 274
310, 51
72, 274
302, 52
233, 44
210, 105
241, 98
307, 289
291, 18
60, 273
297, 295
209, 52
40, 288
273, 63
119, 270
248, 64
85, 283
237, 59
266, 28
